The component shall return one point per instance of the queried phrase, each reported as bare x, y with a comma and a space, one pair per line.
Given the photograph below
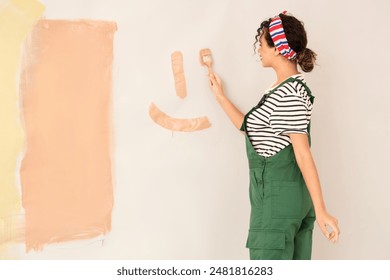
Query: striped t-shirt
287, 109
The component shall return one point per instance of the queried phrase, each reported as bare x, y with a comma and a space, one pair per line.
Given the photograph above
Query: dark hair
296, 37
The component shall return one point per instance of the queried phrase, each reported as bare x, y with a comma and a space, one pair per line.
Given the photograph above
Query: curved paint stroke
174, 124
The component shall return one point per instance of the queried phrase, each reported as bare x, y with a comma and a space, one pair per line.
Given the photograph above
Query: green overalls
282, 213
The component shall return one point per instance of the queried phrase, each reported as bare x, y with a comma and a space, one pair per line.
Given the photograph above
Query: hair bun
306, 59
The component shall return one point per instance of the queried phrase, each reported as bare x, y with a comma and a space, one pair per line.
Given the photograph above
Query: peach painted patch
66, 91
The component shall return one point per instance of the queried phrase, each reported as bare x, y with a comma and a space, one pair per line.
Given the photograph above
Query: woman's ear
276, 51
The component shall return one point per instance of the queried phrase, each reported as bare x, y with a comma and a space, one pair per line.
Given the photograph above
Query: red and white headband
279, 38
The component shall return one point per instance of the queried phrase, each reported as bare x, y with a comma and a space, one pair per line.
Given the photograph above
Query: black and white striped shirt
287, 109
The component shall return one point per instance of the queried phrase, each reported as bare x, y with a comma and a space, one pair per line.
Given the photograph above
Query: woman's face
266, 52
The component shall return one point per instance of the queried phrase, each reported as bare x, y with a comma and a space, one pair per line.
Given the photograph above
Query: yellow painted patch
17, 17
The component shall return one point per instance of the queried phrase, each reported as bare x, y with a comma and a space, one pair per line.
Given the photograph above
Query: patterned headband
279, 37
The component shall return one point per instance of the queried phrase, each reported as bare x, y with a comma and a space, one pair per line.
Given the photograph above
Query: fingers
215, 84
212, 80
217, 78
334, 235
329, 226
324, 230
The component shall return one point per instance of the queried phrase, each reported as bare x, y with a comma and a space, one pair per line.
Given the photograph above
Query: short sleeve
290, 116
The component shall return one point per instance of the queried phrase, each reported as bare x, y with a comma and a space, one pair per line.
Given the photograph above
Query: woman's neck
284, 71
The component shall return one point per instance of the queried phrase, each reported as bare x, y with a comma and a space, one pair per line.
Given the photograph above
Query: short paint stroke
178, 74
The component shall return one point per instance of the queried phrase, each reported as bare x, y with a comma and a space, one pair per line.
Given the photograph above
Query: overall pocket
266, 239
287, 199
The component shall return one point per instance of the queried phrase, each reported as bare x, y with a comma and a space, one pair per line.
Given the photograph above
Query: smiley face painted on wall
171, 123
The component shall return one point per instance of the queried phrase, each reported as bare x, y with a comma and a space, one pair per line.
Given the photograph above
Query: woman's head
296, 37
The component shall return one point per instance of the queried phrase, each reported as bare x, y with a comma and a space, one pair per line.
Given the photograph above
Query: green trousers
282, 214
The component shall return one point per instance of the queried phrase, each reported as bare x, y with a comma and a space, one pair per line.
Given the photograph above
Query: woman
285, 191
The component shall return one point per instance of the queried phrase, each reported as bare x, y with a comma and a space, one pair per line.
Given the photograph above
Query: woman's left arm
308, 169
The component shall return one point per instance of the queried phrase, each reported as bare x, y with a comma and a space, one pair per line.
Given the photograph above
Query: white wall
185, 195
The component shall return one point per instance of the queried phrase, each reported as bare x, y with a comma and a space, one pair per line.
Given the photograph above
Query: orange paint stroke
186, 125
178, 74
66, 91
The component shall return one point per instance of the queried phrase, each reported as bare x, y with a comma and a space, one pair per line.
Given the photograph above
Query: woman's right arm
231, 111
